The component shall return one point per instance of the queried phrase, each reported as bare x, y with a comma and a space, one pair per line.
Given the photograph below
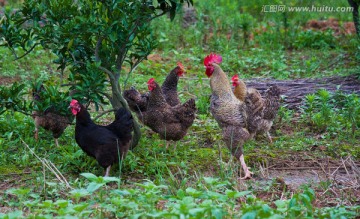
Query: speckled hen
170, 122
261, 111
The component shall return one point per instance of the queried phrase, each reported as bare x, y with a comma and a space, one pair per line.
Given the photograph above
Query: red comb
212, 58
73, 102
150, 81
179, 64
235, 78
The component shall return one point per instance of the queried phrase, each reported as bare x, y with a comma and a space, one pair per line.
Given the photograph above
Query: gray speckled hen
261, 111
271, 108
170, 122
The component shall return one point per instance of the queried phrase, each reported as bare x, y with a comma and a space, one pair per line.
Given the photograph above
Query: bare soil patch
5, 80
336, 181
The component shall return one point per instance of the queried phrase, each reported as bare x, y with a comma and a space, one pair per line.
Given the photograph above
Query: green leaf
89, 176
111, 179
79, 192
93, 186
217, 213
155, 3
62, 203
236, 194
15, 214
70, 43
80, 207
210, 180
193, 192
249, 215
195, 211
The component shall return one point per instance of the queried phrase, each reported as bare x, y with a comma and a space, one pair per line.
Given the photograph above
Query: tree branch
121, 55
27, 52
97, 48
104, 113
156, 16
107, 71
133, 67
106, 95
13, 52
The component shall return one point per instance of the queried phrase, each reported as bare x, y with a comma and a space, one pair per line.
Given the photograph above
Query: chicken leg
245, 168
269, 137
36, 133
168, 144
107, 172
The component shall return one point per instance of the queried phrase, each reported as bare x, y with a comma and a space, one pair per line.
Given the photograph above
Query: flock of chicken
241, 113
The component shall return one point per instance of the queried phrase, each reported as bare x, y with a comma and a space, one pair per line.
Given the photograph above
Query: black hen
105, 143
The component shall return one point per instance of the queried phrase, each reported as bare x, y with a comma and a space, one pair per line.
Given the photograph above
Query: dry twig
50, 166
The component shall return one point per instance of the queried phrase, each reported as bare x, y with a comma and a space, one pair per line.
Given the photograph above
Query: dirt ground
5, 80
336, 182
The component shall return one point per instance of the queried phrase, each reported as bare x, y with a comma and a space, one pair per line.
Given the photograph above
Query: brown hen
170, 122
49, 119
138, 102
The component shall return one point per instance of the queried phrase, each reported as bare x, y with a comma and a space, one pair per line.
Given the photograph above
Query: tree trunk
355, 5
117, 101
295, 90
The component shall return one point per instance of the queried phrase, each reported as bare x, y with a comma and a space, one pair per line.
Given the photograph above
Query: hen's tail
137, 102
190, 104
123, 124
272, 102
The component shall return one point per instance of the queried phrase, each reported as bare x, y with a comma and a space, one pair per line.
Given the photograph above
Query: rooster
107, 144
261, 111
170, 122
229, 112
49, 119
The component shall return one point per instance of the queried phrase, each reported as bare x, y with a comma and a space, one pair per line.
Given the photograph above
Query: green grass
199, 178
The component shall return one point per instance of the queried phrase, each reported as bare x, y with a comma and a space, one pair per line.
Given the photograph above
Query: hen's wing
254, 108
101, 143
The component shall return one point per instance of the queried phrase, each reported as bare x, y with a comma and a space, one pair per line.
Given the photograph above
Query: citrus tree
97, 41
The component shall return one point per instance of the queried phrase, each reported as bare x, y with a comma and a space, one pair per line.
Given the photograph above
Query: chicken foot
245, 168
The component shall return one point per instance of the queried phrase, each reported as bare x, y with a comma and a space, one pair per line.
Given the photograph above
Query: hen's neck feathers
240, 91
171, 80
156, 96
83, 117
219, 83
